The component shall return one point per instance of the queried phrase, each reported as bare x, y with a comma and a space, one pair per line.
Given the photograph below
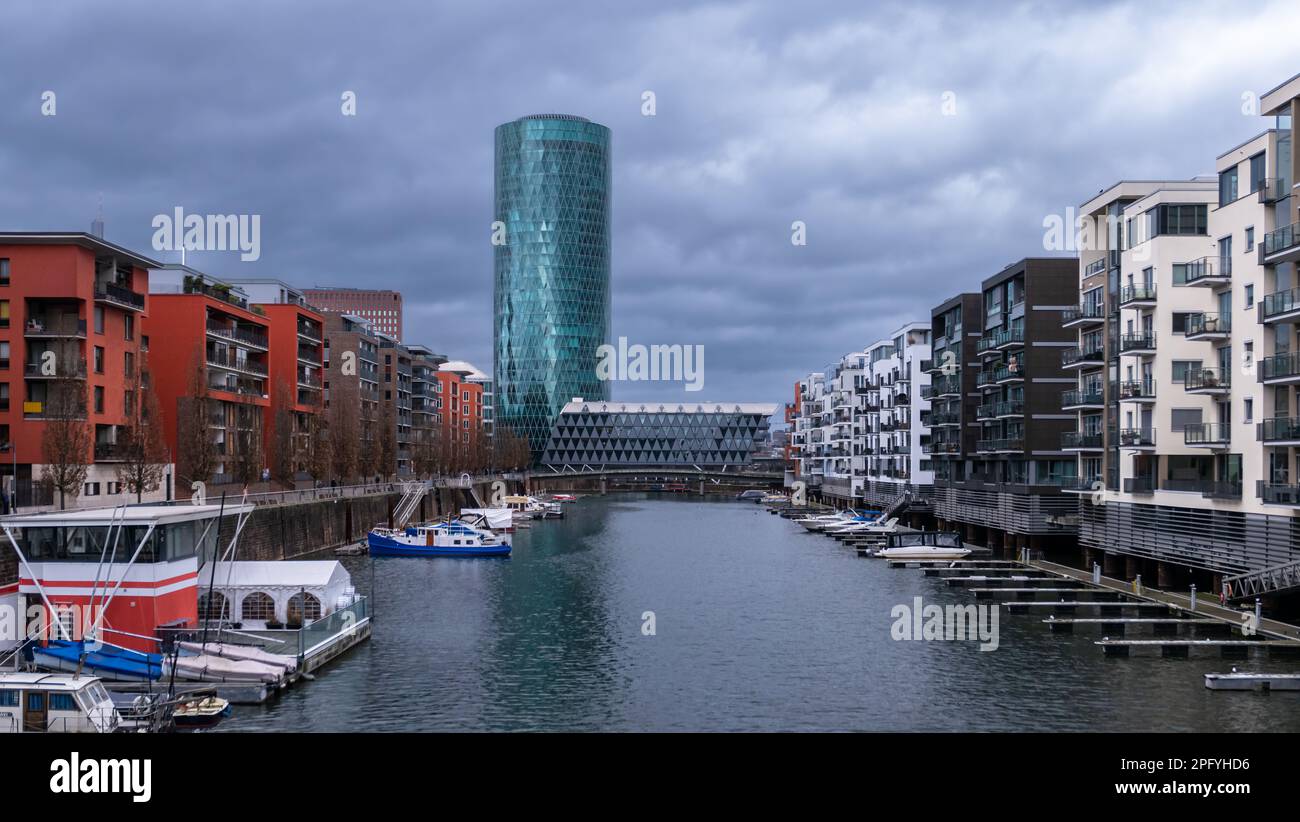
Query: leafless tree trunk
67, 441
284, 444
196, 457
140, 442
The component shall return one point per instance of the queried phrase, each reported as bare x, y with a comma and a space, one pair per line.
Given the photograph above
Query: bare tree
320, 453
387, 462
67, 440
345, 431
248, 444
140, 443
284, 442
196, 457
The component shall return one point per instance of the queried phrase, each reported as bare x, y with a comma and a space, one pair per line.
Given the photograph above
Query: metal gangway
1264, 581
412, 493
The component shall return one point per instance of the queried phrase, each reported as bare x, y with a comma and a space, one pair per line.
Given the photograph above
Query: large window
1227, 186
257, 605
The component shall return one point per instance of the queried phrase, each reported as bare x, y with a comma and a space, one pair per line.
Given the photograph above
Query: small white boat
924, 545
888, 526
55, 703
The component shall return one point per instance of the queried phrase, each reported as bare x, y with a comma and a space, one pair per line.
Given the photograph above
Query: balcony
1095, 267
120, 296
1078, 398
1211, 271
1082, 441
1208, 326
1139, 438
109, 452
1137, 390
55, 327
1278, 493
310, 332
1139, 485
944, 418
1280, 245
1280, 306
245, 336
65, 368
1009, 408
309, 355
220, 360
1002, 340
1207, 435
1280, 369
1208, 381
1211, 489
1138, 344
1082, 358
1000, 446
1083, 316
1081, 485
1137, 296
985, 378
1272, 189
1007, 374
1279, 431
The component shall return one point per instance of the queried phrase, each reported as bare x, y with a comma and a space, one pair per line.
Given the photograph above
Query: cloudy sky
767, 113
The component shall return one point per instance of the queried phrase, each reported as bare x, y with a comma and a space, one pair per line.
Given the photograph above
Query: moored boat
55, 703
924, 545
455, 538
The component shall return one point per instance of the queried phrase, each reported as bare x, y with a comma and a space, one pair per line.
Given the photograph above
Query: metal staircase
412, 493
1264, 581
900, 502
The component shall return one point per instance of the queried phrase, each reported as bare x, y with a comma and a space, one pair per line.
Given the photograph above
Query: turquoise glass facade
551, 287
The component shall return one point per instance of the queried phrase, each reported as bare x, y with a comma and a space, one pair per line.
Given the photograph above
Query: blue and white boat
455, 538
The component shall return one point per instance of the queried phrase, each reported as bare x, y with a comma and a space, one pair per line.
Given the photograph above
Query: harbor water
674, 613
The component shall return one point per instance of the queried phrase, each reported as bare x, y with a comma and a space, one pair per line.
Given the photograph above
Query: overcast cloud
767, 113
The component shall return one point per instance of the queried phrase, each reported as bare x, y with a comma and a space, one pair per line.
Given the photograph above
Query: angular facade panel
707, 435
552, 295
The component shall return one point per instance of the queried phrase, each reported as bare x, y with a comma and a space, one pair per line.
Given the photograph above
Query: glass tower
551, 288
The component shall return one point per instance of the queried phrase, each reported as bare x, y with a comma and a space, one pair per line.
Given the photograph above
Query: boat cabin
55, 703
934, 539
124, 572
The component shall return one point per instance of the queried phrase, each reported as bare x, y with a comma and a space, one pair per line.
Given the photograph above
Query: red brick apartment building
72, 311
381, 308
459, 405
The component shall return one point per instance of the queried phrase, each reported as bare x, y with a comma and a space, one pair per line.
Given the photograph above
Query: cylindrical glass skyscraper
551, 289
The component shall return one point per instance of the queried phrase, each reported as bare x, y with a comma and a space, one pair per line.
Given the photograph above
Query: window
4, 271
1257, 172
1180, 418
1181, 367
1180, 321
4, 313
4, 403
99, 399
257, 605
1250, 238
1250, 296
4, 354
8, 699
129, 325
303, 607
1227, 186
1249, 409
62, 702
99, 360
92, 489
99, 319
213, 605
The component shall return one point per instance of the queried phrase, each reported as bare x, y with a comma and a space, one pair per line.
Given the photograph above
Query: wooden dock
1030, 593
1120, 625
1182, 647
1252, 682
1068, 607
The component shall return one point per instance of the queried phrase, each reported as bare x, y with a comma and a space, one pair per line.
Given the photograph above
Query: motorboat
752, 495
924, 545
534, 508
875, 526
841, 518
201, 713
55, 703
454, 538
563, 498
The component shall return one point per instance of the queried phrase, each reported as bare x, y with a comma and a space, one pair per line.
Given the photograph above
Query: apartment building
460, 404
956, 327
396, 405
381, 308
1197, 418
212, 374
1008, 493
426, 419
859, 428
352, 394
72, 347
296, 369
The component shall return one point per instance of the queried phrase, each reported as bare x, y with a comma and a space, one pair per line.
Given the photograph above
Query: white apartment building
862, 425
1185, 442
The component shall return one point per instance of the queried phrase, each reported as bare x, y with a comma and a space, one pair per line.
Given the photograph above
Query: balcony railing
1095, 267
1144, 389
109, 452
55, 327
1203, 270
1278, 493
1216, 489
1091, 395
1207, 324
1207, 379
1083, 312
1280, 429
1207, 433
64, 368
1282, 239
1272, 189
997, 339
1081, 439
114, 293
1139, 485
1071, 356
1003, 373
1137, 293
1279, 303
225, 361
1136, 342
1135, 438
1004, 444
1279, 366
243, 335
